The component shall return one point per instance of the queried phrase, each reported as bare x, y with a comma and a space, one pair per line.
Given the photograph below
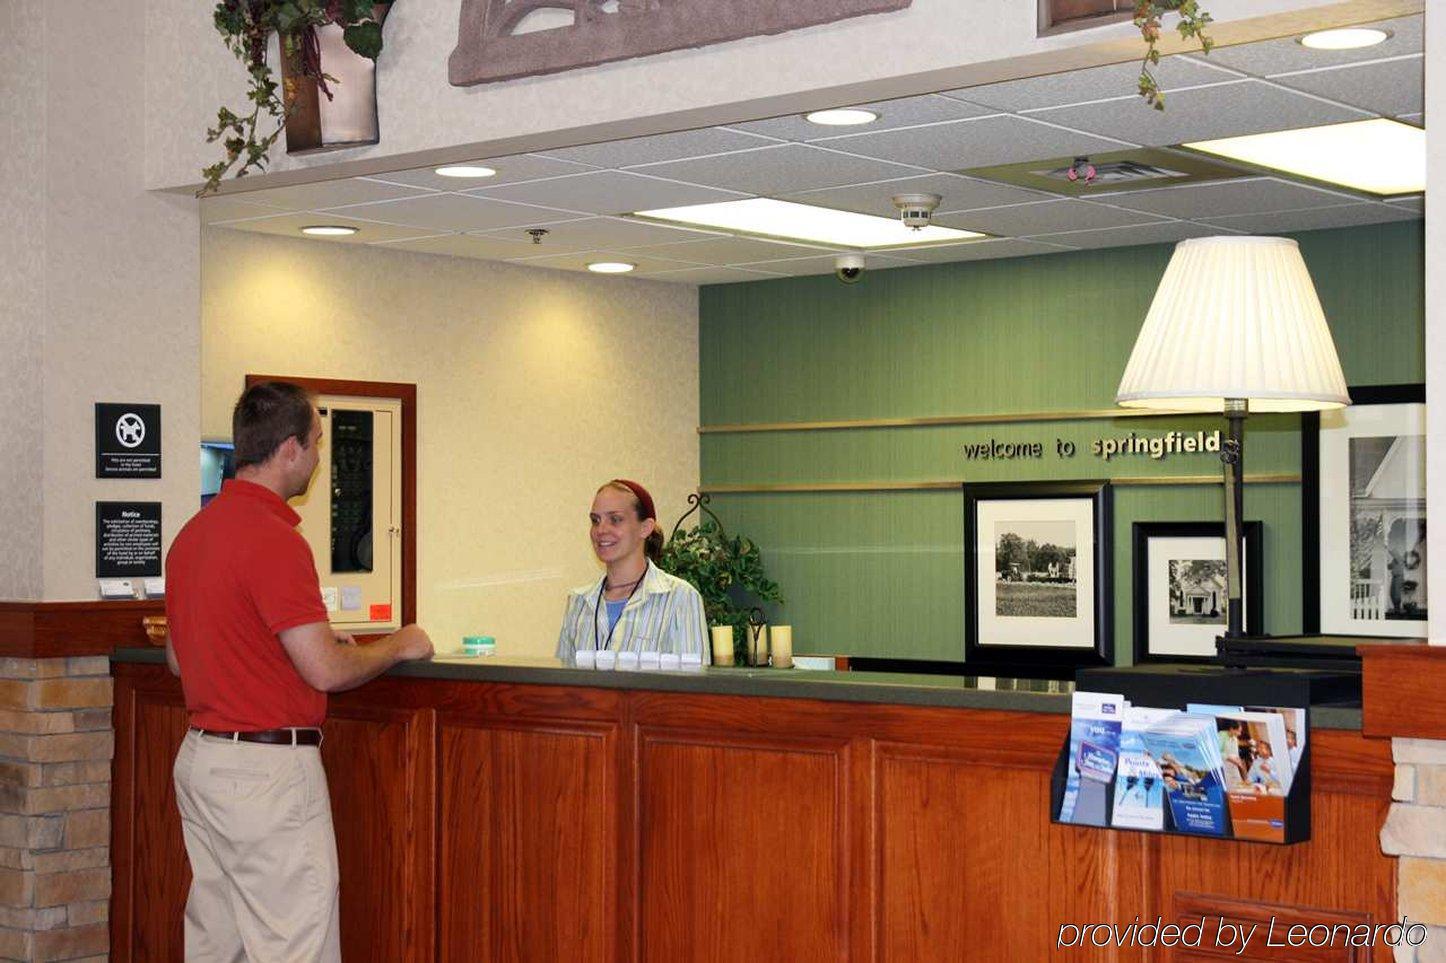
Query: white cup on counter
607, 660
585, 659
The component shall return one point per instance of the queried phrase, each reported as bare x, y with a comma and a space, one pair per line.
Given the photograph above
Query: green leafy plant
1149, 17
246, 26
727, 570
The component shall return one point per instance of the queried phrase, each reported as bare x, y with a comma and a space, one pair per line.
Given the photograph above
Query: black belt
270, 737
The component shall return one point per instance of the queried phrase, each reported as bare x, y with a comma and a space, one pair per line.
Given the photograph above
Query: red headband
645, 501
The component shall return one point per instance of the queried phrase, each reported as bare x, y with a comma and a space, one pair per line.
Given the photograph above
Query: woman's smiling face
617, 532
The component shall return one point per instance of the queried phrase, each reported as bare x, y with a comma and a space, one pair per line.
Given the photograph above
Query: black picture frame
1310, 489
1041, 660
1141, 535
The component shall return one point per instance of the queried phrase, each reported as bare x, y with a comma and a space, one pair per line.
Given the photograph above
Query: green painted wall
881, 573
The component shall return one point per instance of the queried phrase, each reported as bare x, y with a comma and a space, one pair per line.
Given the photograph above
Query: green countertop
968, 692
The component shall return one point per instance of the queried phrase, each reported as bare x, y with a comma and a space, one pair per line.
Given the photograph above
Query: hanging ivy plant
246, 27
1149, 17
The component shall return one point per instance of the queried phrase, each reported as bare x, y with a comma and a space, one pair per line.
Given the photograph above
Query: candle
780, 642
722, 644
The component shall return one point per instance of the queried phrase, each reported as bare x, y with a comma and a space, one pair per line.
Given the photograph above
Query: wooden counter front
487, 821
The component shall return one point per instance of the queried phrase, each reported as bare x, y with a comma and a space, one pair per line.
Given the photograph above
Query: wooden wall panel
743, 853
383, 829
528, 842
151, 875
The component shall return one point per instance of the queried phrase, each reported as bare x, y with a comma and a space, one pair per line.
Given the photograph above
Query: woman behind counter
635, 606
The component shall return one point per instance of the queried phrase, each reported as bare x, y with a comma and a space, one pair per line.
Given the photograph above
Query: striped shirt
665, 614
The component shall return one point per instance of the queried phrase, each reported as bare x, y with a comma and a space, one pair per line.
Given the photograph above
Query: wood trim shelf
1401, 690
995, 418
47, 630
953, 484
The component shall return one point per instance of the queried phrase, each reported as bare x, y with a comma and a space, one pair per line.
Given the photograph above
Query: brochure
1094, 748
1139, 791
1187, 751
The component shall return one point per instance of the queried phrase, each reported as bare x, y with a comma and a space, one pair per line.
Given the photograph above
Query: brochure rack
1173, 686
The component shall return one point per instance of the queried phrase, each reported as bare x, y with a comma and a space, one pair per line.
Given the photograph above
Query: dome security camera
915, 210
849, 268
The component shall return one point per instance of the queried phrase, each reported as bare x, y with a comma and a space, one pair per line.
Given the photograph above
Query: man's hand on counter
413, 643
331, 661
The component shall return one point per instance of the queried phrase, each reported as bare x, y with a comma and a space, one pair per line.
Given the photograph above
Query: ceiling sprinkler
1081, 170
537, 234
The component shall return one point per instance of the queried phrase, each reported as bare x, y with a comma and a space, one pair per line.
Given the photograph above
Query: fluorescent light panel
464, 170
1383, 157
802, 222
1345, 38
328, 230
841, 117
610, 267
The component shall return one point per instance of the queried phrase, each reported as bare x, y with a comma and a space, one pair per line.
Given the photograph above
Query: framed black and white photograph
1363, 472
1180, 599
1037, 567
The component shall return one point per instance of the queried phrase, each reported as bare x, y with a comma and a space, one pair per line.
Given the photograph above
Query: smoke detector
915, 210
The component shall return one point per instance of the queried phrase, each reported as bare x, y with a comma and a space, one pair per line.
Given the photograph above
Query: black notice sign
127, 539
127, 441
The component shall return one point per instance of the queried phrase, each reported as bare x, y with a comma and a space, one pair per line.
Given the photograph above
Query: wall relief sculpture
503, 39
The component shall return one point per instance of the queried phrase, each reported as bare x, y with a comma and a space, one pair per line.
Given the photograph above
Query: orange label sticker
381, 613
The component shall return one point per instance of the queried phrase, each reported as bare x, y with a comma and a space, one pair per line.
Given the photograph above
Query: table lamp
1235, 327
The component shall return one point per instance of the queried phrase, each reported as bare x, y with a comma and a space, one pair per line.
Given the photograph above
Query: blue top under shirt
614, 610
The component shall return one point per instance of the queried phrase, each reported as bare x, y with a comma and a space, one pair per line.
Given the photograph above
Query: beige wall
1436, 309
421, 111
99, 282
533, 387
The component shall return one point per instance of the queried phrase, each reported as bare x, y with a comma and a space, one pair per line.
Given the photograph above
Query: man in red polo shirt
250, 640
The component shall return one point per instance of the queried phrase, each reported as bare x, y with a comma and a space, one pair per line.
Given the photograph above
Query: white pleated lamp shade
1235, 318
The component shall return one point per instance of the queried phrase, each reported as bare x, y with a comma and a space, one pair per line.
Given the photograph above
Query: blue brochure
1187, 752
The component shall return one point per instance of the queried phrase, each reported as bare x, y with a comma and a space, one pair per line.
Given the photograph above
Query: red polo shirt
237, 575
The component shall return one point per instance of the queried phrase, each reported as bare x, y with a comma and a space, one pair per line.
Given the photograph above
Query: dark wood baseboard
47, 630
1401, 690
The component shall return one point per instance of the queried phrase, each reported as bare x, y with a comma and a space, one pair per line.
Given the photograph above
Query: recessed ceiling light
610, 267
1380, 156
842, 117
803, 222
464, 170
1346, 38
328, 230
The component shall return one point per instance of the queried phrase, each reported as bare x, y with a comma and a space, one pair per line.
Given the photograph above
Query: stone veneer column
56, 742
1415, 830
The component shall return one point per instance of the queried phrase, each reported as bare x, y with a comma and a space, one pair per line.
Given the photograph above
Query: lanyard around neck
602, 587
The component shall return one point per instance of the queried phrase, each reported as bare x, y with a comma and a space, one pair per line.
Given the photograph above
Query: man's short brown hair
266, 414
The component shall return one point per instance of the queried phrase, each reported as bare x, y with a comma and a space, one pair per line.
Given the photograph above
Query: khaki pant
257, 823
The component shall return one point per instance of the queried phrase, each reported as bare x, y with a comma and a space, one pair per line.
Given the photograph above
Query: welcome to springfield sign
582, 33
1156, 446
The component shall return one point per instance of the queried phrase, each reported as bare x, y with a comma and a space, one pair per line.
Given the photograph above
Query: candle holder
757, 638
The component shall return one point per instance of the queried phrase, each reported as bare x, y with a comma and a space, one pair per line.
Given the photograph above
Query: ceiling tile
729, 250
713, 275
1081, 86
963, 144
325, 194
1349, 215
1204, 113
579, 262
1287, 54
1392, 87
978, 251
779, 170
456, 212
598, 233
510, 170
907, 112
1413, 203
662, 147
608, 192
1256, 195
225, 207
290, 225
1045, 217
798, 267
1166, 233
466, 245
958, 193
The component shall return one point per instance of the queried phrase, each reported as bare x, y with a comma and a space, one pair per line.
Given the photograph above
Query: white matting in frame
1041, 631
1167, 635
1373, 520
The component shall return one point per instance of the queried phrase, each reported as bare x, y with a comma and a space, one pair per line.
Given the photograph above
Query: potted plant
727, 570
1149, 16
246, 27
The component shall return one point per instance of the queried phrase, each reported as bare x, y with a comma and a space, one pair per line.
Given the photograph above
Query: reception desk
494, 810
